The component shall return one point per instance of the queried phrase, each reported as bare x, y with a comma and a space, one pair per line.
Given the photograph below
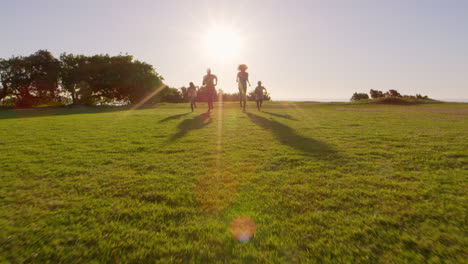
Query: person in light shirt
259, 95
242, 81
192, 95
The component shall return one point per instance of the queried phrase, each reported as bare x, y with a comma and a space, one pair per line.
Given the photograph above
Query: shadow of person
282, 116
287, 136
173, 117
186, 125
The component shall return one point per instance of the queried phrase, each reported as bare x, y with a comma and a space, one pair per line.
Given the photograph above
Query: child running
192, 95
243, 80
259, 95
210, 81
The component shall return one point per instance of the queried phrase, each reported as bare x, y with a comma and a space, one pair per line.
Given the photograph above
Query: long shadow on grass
8, 113
186, 125
288, 136
282, 116
173, 117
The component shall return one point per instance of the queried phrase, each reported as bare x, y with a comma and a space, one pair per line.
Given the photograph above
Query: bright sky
300, 49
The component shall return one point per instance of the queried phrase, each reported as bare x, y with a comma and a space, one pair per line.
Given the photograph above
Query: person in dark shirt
259, 95
242, 81
210, 81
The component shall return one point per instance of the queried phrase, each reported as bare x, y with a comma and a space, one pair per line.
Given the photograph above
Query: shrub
376, 94
393, 93
359, 96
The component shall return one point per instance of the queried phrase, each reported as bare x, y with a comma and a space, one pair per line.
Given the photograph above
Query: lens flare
243, 229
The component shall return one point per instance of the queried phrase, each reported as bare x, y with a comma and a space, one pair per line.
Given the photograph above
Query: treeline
42, 79
376, 94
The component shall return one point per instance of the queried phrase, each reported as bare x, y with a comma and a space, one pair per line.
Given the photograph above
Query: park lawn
323, 182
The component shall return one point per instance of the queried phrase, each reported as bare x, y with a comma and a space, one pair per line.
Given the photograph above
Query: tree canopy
42, 79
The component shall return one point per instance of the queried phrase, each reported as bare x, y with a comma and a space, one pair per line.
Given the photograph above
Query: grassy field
312, 182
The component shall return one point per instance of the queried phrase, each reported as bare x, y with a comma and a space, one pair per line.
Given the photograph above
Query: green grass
325, 183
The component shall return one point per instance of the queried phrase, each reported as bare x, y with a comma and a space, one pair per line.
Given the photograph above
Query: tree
393, 93
7, 75
170, 95
376, 94
30, 80
184, 93
230, 97
73, 76
419, 96
359, 96
100, 79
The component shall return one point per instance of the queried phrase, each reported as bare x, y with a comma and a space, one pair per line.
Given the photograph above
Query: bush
393, 93
376, 94
359, 96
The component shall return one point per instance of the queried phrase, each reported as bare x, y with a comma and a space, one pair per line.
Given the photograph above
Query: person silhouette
259, 95
242, 80
210, 81
192, 95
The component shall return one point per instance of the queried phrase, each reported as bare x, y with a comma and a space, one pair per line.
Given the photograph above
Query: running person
210, 81
242, 81
192, 95
259, 95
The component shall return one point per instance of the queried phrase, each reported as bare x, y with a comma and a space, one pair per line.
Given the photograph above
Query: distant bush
168, 95
359, 96
392, 97
393, 93
376, 94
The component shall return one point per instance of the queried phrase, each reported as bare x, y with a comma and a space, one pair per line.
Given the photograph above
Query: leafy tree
102, 78
9, 72
74, 76
184, 94
30, 80
230, 97
376, 94
359, 96
170, 95
393, 93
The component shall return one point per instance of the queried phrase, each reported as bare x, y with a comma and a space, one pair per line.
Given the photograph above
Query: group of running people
210, 81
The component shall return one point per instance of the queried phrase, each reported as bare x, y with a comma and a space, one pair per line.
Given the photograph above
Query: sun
222, 43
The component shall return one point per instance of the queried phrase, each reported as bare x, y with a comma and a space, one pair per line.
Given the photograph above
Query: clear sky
300, 49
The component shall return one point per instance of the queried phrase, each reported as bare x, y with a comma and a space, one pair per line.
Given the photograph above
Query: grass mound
393, 100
